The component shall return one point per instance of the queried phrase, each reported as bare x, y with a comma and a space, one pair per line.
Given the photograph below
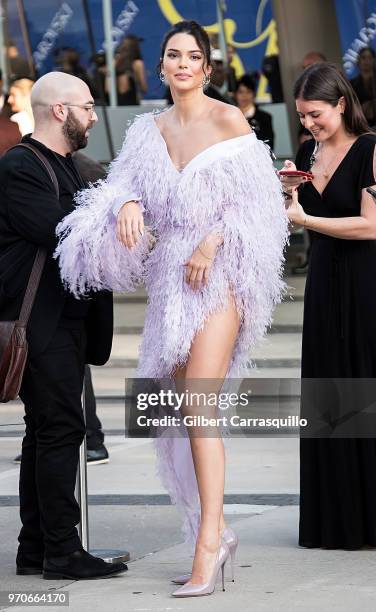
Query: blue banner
357, 26
249, 27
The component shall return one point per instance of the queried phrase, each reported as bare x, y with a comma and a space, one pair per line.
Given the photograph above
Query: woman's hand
130, 224
201, 261
289, 182
295, 211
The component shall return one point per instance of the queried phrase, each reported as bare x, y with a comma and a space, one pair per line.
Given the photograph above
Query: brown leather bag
13, 343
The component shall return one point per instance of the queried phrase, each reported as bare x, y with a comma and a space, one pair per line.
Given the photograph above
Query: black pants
51, 391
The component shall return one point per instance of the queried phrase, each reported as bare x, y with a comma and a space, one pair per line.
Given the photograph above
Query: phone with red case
296, 173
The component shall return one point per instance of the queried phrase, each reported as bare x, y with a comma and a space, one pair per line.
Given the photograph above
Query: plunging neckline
198, 155
335, 171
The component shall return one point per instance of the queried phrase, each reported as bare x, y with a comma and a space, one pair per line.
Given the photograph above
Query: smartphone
297, 173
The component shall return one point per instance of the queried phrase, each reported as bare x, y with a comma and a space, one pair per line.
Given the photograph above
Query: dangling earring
162, 76
206, 80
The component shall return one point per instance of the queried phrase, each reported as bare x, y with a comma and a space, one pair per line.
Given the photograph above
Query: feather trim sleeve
90, 257
254, 227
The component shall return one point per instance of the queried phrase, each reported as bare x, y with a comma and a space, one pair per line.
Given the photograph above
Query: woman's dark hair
128, 50
247, 81
326, 82
364, 49
194, 29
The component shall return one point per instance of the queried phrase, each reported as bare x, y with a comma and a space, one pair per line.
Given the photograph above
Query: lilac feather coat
231, 188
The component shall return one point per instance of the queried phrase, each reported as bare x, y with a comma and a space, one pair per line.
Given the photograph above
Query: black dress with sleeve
338, 475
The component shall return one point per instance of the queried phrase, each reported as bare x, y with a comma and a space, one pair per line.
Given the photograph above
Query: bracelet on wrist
202, 252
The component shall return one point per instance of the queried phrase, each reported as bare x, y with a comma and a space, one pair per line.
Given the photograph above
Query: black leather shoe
97, 456
29, 564
80, 565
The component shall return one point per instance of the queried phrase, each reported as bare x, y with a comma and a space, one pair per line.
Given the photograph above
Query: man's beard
74, 132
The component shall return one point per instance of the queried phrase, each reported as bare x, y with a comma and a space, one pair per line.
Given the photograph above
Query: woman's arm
347, 228
362, 227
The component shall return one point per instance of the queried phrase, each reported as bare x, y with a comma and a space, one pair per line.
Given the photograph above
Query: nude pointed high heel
232, 541
198, 590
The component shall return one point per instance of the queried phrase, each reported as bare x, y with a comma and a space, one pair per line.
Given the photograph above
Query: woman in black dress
338, 476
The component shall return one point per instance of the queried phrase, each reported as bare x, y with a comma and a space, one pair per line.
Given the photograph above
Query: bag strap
44, 161
40, 258
32, 286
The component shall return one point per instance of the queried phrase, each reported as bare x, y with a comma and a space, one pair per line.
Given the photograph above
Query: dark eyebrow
193, 51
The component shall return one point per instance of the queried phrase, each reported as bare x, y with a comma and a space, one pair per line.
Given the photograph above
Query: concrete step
295, 285
129, 317
276, 350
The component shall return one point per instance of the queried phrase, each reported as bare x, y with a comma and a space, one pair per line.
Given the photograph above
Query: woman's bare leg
209, 358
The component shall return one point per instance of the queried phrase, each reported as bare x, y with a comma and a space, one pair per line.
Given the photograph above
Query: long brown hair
326, 82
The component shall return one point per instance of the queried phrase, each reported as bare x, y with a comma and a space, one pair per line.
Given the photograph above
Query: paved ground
129, 509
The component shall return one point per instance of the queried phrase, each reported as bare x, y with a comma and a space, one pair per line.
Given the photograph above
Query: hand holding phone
296, 174
291, 177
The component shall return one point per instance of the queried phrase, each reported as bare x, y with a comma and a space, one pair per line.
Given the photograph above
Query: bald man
63, 333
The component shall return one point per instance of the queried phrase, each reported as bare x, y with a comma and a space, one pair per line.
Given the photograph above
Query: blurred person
364, 84
19, 101
68, 60
18, 66
2, 95
313, 57
260, 121
63, 332
130, 72
98, 78
337, 472
212, 277
231, 74
271, 71
217, 86
9, 132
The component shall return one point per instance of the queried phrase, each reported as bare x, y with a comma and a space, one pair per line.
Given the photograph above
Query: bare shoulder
230, 120
160, 118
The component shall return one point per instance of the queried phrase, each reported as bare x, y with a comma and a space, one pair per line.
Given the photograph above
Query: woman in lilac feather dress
202, 182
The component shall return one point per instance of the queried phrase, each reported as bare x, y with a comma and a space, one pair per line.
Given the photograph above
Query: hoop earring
206, 80
162, 76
